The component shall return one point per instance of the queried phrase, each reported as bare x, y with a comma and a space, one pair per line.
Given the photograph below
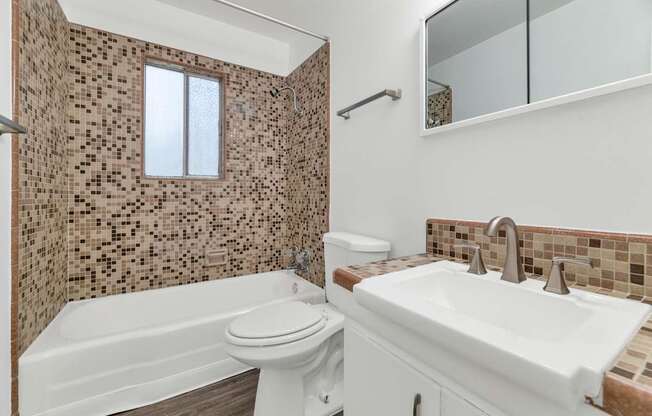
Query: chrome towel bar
8, 126
395, 94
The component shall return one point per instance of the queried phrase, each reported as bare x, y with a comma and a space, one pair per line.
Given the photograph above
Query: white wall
5, 210
488, 77
588, 43
161, 23
580, 165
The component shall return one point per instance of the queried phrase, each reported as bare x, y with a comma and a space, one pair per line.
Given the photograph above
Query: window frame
187, 71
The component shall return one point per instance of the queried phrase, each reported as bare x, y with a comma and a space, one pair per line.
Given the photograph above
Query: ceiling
225, 14
467, 23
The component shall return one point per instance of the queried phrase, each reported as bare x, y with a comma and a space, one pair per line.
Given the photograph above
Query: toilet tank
346, 249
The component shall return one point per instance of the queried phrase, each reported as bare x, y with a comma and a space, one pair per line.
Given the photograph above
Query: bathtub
107, 355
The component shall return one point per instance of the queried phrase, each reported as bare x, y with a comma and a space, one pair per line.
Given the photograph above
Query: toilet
299, 347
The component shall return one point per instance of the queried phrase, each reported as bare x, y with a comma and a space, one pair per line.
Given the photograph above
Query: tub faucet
513, 268
299, 260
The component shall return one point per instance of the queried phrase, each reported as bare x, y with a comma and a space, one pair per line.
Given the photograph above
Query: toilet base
281, 392
315, 407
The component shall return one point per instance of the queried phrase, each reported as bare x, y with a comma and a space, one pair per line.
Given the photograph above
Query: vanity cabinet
453, 405
380, 383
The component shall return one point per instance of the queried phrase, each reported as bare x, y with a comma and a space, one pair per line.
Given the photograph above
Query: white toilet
299, 347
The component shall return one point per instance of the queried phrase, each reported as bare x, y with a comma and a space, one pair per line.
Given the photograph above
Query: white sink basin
558, 347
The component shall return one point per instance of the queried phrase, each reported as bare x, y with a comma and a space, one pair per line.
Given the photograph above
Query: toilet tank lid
356, 242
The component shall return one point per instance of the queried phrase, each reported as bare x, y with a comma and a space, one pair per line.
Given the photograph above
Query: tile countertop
627, 386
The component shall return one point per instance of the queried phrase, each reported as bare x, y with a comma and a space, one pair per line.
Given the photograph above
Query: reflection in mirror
580, 44
477, 60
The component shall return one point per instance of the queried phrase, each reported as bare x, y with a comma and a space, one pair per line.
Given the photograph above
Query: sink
558, 347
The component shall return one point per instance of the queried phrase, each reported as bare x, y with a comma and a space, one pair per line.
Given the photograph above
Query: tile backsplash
622, 262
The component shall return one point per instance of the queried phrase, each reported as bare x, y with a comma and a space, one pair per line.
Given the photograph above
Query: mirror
485, 56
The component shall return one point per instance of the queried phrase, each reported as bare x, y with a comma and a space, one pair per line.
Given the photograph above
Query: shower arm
294, 96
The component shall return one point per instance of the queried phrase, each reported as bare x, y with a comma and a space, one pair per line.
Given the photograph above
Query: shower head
275, 92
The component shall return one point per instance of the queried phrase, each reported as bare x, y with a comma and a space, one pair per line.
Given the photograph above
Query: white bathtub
107, 355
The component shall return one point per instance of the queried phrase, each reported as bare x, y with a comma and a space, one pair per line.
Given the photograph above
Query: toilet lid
281, 320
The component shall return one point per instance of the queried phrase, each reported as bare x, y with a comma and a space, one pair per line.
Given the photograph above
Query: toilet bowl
299, 347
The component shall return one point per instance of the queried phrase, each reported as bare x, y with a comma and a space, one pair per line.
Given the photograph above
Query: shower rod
272, 19
448, 87
10, 127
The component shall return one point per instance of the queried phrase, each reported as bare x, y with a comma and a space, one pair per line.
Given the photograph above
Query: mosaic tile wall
42, 164
622, 262
308, 166
440, 108
128, 233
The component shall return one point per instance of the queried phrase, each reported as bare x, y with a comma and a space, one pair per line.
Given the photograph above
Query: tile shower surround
308, 165
40, 187
128, 233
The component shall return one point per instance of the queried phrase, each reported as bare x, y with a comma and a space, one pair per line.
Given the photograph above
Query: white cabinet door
376, 383
453, 405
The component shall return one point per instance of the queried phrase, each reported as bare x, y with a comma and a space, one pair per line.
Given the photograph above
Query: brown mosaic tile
15, 333
308, 165
349, 276
128, 233
42, 164
620, 262
440, 108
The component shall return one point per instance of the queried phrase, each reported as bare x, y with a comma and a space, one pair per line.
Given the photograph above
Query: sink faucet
476, 265
556, 281
513, 268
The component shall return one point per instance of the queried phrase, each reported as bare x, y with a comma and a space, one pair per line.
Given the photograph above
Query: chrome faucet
476, 265
513, 268
299, 260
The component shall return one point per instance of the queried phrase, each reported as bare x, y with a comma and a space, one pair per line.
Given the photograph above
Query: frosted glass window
182, 123
203, 126
163, 122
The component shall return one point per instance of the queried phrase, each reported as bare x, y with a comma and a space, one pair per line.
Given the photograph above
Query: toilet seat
276, 324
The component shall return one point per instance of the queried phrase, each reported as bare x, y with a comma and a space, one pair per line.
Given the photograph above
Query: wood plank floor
235, 396
232, 397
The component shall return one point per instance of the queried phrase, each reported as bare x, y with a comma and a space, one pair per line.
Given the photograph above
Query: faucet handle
581, 261
556, 282
476, 266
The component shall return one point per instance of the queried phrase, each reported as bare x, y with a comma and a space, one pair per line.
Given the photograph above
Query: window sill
184, 178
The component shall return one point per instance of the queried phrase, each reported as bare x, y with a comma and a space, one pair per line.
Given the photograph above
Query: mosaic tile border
622, 262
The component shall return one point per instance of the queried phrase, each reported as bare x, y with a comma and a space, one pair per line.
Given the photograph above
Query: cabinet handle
416, 405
